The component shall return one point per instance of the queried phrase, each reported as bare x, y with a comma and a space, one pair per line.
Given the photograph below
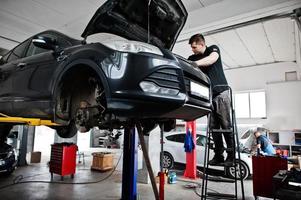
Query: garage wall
284, 108
283, 97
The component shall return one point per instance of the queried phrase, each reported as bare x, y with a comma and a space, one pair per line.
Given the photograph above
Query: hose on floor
18, 179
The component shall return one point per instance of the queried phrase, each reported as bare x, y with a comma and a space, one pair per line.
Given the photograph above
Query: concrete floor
38, 187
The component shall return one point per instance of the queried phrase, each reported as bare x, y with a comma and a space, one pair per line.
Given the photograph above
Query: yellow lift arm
30, 121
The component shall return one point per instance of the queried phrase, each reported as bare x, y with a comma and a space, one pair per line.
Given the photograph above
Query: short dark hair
196, 38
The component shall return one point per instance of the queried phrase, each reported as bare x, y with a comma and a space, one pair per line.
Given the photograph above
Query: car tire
82, 101
168, 160
230, 171
67, 131
10, 171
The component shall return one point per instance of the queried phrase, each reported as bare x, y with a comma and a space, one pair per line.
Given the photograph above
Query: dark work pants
221, 118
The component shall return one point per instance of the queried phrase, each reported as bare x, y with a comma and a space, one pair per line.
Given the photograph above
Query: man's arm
207, 61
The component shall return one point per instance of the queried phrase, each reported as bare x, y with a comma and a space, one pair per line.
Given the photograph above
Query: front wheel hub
82, 117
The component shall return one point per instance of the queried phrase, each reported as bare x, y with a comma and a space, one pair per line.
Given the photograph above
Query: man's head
197, 43
257, 134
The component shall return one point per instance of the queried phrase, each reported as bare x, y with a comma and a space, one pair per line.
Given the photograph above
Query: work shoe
229, 161
217, 160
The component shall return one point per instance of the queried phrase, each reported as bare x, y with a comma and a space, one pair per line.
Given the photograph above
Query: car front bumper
128, 99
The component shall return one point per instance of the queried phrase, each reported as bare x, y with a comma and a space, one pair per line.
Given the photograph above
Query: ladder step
229, 149
221, 131
220, 179
224, 196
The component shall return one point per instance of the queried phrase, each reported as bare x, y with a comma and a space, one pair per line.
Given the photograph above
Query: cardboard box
102, 161
35, 157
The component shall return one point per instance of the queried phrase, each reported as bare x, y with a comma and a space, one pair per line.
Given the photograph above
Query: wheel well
79, 83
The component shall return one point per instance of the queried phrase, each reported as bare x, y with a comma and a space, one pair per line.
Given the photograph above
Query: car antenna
148, 22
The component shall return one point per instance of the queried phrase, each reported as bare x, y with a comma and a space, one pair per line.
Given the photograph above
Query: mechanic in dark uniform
208, 59
264, 144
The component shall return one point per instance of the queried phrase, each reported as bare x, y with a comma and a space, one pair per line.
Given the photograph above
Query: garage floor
108, 189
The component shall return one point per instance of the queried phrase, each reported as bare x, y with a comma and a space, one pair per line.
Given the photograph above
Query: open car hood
129, 19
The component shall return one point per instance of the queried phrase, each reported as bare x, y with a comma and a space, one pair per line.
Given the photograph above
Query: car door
33, 75
200, 149
5, 86
176, 147
7, 70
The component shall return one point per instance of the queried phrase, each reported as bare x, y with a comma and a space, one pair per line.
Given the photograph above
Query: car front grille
168, 78
3, 155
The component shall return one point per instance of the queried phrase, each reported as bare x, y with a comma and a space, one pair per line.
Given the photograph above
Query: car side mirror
45, 43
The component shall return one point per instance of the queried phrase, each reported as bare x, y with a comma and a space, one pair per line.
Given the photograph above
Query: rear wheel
168, 160
66, 131
230, 171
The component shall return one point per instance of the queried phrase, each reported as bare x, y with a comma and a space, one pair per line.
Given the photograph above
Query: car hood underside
158, 22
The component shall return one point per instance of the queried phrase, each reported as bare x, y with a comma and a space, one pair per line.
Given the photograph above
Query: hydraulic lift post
130, 164
162, 181
147, 161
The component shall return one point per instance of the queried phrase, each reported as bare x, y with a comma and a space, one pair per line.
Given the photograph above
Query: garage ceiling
264, 42
192, 5
261, 43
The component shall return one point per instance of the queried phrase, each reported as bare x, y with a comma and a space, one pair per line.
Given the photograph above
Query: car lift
130, 162
130, 157
29, 121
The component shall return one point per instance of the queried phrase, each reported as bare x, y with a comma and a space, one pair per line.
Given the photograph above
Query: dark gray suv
78, 84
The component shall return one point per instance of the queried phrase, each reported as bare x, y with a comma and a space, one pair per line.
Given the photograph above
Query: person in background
208, 59
263, 144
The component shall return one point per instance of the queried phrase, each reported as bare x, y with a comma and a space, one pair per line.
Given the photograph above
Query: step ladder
233, 129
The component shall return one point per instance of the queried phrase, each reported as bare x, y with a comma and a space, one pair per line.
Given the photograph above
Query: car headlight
199, 90
9, 154
151, 87
2, 162
133, 47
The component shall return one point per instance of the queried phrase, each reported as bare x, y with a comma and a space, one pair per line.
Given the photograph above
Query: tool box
264, 168
63, 159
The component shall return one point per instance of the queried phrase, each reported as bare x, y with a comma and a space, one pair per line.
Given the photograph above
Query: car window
246, 134
177, 138
62, 43
201, 140
18, 52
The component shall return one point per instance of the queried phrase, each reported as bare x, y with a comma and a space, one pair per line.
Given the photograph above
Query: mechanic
264, 144
208, 59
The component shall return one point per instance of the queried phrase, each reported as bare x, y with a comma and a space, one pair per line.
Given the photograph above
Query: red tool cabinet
63, 159
264, 168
